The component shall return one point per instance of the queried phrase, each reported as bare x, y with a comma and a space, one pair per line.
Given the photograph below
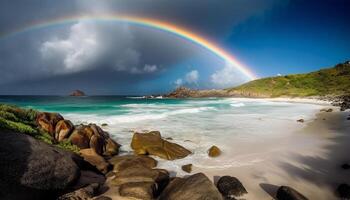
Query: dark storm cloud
80, 53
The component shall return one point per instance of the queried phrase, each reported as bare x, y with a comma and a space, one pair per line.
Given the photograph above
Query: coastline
310, 161
264, 146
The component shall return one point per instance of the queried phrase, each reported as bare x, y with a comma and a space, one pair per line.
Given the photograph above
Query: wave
129, 118
141, 97
237, 105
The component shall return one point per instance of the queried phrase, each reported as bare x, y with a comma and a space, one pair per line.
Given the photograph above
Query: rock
96, 160
140, 179
31, 169
187, 168
288, 193
92, 136
345, 166
47, 121
151, 143
104, 124
231, 186
123, 162
85, 193
112, 148
326, 110
214, 151
63, 129
195, 187
137, 174
301, 120
348, 118
139, 190
77, 93
80, 138
343, 191
102, 198
97, 143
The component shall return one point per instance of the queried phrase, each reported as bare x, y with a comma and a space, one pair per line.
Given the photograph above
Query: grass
24, 121
331, 81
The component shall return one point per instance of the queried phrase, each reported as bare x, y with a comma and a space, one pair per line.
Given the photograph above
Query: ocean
235, 125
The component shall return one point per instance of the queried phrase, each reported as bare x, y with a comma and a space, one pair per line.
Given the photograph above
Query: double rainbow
146, 22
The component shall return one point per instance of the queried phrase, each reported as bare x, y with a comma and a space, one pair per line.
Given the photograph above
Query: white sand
308, 160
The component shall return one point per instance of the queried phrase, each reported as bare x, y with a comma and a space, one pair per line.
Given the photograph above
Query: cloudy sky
270, 37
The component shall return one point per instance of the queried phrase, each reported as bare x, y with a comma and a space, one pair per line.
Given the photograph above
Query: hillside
331, 81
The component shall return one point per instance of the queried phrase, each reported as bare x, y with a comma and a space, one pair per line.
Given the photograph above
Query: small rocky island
77, 93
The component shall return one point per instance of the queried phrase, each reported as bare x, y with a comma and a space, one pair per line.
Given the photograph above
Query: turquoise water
234, 125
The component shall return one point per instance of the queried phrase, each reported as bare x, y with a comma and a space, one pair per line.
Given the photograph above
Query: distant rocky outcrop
77, 93
183, 92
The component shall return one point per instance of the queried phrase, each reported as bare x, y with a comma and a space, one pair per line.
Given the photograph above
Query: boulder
187, 168
47, 121
111, 147
140, 179
326, 110
31, 169
301, 120
151, 143
102, 198
123, 162
96, 160
92, 136
85, 193
343, 191
63, 129
214, 151
345, 166
80, 138
231, 187
97, 143
138, 174
288, 193
138, 190
77, 93
195, 187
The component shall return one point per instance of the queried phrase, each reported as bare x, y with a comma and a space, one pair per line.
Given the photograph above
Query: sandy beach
309, 160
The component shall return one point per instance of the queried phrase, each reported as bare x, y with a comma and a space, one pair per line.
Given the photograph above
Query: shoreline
306, 156
313, 170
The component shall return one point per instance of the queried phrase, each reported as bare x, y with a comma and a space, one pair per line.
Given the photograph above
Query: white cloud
192, 77
74, 53
228, 76
178, 82
91, 45
150, 68
279, 74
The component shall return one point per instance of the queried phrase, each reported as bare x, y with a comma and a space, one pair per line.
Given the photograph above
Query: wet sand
308, 160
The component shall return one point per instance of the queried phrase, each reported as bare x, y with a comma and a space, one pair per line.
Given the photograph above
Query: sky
268, 37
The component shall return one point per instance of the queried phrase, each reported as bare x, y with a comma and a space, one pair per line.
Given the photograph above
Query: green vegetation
24, 121
332, 81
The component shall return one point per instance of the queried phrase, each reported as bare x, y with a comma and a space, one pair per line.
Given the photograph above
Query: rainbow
146, 22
